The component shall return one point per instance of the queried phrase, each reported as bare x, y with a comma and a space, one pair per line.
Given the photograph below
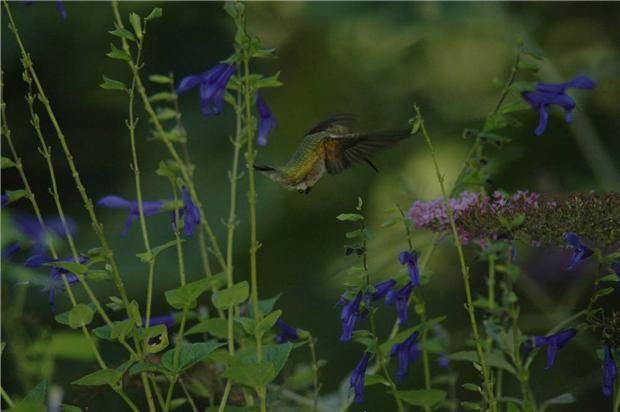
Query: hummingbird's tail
264, 168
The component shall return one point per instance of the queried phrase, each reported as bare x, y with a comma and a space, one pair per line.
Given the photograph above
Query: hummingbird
331, 146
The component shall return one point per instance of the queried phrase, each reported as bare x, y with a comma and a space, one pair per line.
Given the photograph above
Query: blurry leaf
99, 275
532, 53
422, 397
527, 66
349, 217
518, 106
226, 298
118, 329
154, 14
101, 377
495, 122
265, 305
471, 387
118, 54
602, 292
375, 380
611, 277
79, 315
160, 79
134, 313
271, 81
149, 256
176, 403
166, 114
116, 305
494, 359
391, 222
519, 87
72, 267
563, 399
187, 295
147, 367
15, 195
190, 354
250, 374
110, 84
37, 394
163, 97
63, 318
6, 163
471, 406
70, 408
134, 19
267, 322
353, 234
248, 324
264, 53
215, 327
123, 33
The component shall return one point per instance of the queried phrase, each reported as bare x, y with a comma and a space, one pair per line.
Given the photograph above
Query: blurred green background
368, 58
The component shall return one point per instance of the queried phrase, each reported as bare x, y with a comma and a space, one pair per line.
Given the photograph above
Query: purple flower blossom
117, 202
189, 212
407, 352
59, 6
30, 227
610, 371
555, 93
580, 251
382, 288
349, 316
266, 121
411, 260
10, 251
166, 320
56, 275
553, 343
288, 333
212, 87
358, 377
616, 268
401, 299
442, 361
4, 199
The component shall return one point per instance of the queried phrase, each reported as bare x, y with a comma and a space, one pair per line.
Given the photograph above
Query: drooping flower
382, 288
56, 275
117, 202
610, 371
166, 320
553, 343
349, 316
580, 251
411, 260
189, 212
212, 87
30, 227
408, 351
358, 377
59, 6
287, 332
401, 299
555, 93
266, 121
10, 251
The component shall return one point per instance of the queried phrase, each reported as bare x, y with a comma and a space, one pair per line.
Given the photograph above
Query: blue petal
542, 123
115, 202
61, 9
37, 260
581, 82
189, 82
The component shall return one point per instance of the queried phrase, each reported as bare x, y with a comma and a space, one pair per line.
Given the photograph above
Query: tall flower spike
554, 343
580, 251
266, 121
117, 202
349, 316
401, 299
547, 94
358, 377
610, 371
407, 352
411, 260
212, 87
287, 332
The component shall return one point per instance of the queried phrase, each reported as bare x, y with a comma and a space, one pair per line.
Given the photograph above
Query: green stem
315, 373
188, 396
7, 398
222, 406
381, 361
488, 384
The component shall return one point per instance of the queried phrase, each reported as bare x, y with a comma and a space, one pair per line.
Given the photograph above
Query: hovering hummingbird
331, 146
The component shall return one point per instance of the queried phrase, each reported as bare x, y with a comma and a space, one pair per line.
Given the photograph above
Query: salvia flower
358, 377
60, 6
610, 371
442, 360
382, 288
10, 251
212, 87
411, 260
287, 332
266, 121
554, 343
401, 299
189, 212
350, 315
56, 275
580, 251
117, 202
30, 227
166, 320
4, 199
408, 351
547, 94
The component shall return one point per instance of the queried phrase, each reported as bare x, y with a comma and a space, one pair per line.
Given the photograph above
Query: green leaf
267, 322
251, 374
147, 257
271, 81
123, 33
563, 399
37, 394
134, 312
215, 327
226, 298
371, 380
147, 367
70, 408
190, 354
472, 387
522, 86
118, 54
118, 329
15, 195
134, 19
471, 406
602, 292
111, 84
146, 334
72, 267
6, 163
163, 97
611, 277
160, 79
495, 122
265, 305
264, 53
494, 359
101, 377
63, 318
187, 295
353, 234
422, 397
79, 315
517, 106
350, 217
166, 114
154, 14
532, 67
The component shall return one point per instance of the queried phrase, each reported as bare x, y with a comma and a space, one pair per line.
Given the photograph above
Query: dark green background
371, 59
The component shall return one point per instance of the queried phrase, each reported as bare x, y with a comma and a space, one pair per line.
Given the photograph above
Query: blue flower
189, 212
610, 371
117, 202
288, 333
59, 6
166, 320
266, 121
358, 376
30, 227
10, 251
212, 87
553, 343
616, 268
442, 361
401, 298
349, 316
4, 199
407, 352
382, 288
555, 93
56, 275
580, 251
411, 260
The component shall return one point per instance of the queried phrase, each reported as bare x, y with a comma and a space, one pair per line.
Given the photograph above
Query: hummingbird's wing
343, 151
337, 124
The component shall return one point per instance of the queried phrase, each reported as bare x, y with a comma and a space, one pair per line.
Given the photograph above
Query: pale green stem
7, 398
381, 361
188, 396
315, 373
488, 384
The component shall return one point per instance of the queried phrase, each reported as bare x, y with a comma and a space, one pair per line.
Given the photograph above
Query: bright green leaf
111, 84
187, 295
100, 377
349, 217
134, 19
267, 322
226, 298
79, 315
190, 354
154, 14
118, 54
160, 79
123, 33
215, 327
6, 163
422, 397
